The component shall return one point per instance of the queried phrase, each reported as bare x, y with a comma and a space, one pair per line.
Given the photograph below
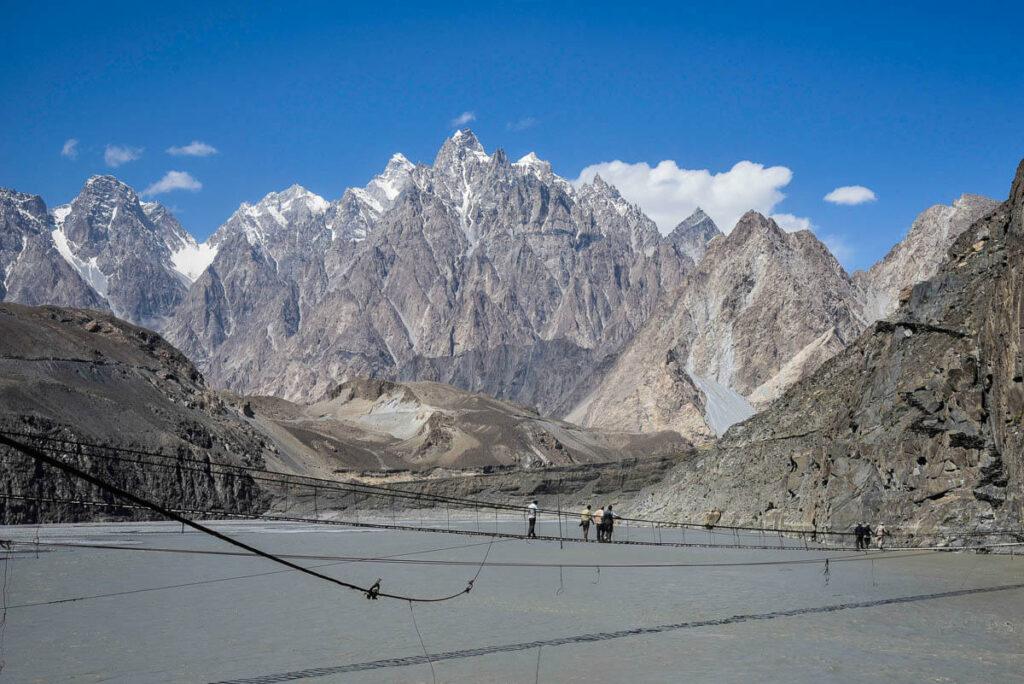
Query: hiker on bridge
586, 515
607, 523
531, 519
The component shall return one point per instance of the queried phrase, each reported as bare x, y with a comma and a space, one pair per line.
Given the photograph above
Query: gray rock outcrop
124, 250
919, 255
692, 235
33, 270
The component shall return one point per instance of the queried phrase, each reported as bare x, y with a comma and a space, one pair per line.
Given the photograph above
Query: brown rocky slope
378, 425
86, 376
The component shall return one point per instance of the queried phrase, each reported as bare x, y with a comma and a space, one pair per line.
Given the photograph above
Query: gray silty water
284, 623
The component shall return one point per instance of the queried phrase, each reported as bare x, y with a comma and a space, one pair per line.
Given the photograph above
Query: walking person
608, 520
858, 532
531, 519
880, 534
599, 523
586, 515
867, 536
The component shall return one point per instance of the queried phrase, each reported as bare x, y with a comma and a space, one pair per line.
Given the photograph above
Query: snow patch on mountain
192, 258
61, 213
381, 192
276, 210
89, 270
279, 203
368, 199
10, 267
723, 406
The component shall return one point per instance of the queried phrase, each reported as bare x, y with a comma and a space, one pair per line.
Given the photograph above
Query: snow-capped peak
275, 211
275, 204
465, 136
105, 185
462, 146
601, 190
398, 161
381, 192
532, 162
296, 193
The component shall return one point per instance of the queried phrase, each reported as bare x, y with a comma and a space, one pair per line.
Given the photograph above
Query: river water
519, 624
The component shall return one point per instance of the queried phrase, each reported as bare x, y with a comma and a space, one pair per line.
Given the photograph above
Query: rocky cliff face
920, 254
762, 308
124, 251
86, 376
917, 424
692, 236
33, 270
494, 276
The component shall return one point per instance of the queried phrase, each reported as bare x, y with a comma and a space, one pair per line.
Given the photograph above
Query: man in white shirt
531, 518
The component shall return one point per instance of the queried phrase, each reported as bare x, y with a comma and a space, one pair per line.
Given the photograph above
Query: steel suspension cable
183, 585
371, 592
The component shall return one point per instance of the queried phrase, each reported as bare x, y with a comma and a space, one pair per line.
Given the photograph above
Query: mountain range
494, 276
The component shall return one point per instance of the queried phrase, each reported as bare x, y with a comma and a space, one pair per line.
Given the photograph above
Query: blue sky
919, 103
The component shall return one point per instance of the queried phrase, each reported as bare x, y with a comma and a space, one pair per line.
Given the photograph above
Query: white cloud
115, 155
668, 194
70, 149
522, 124
851, 194
195, 148
463, 119
791, 223
173, 180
